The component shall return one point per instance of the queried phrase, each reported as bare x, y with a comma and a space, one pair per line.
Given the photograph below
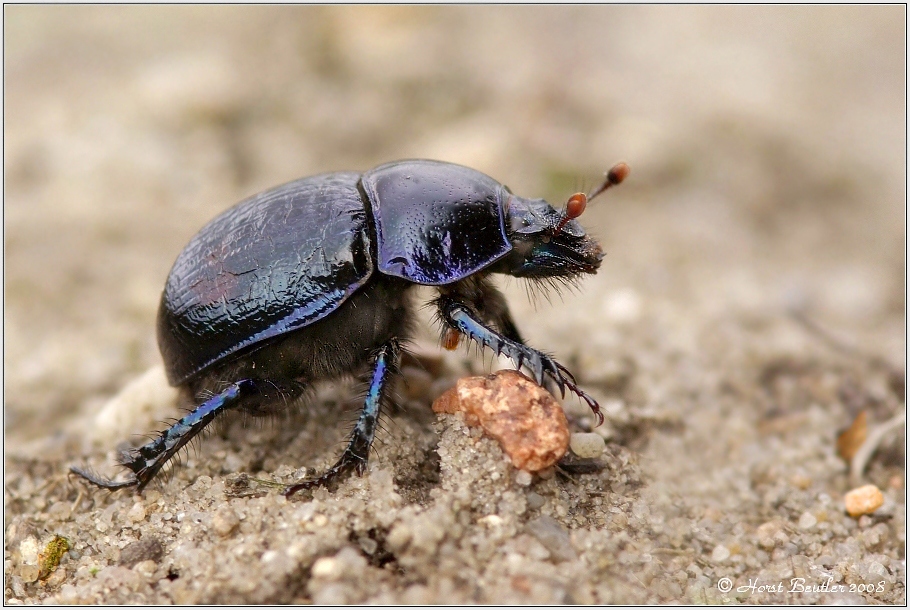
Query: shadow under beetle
309, 281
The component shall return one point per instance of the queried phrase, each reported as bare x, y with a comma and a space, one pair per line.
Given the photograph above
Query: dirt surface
750, 306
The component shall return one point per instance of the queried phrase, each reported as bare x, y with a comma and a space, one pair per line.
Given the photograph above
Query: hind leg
357, 452
146, 461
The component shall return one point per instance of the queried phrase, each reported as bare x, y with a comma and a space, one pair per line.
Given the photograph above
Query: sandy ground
751, 304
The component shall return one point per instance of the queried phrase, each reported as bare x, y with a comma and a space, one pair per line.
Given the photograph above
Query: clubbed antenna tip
616, 175
579, 201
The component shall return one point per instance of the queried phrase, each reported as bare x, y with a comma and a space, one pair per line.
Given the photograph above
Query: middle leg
357, 452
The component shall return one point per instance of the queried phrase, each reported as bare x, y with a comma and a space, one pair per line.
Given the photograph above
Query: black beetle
309, 281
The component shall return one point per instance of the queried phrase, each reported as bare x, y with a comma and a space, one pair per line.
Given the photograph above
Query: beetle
310, 280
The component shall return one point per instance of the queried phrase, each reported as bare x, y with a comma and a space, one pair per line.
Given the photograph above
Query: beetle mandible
309, 281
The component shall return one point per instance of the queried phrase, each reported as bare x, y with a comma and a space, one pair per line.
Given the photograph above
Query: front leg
463, 319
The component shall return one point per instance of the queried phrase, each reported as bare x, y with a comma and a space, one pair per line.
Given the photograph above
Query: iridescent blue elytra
311, 281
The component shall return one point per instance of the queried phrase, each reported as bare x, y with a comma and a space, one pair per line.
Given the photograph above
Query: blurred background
768, 155
767, 147
766, 143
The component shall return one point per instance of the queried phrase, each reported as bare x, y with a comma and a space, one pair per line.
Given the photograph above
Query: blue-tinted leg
461, 318
358, 449
146, 461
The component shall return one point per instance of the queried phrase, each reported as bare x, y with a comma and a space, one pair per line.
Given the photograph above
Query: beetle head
550, 243
546, 242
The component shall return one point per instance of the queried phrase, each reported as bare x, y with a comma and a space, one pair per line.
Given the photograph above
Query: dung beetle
310, 281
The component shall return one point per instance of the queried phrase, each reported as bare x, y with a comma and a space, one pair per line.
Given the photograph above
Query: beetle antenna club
614, 177
312, 280
577, 203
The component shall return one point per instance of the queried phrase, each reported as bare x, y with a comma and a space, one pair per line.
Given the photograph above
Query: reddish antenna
579, 201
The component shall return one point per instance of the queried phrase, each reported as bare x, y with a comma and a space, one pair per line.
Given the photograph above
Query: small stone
398, 538
720, 553
137, 513
348, 562
148, 548
28, 573
524, 418
326, 567
368, 545
807, 521
225, 521
146, 567
56, 578
766, 534
535, 500
876, 571
863, 500
28, 550
586, 444
553, 536
152, 496
491, 521
523, 478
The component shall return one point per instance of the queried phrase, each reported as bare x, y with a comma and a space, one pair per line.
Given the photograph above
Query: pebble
28, 573
347, 562
523, 478
863, 500
524, 418
720, 553
146, 567
586, 444
767, 534
148, 548
807, 521
553, 536
225, 521
398, 538
535, 500
368, 545
28, 550
137, 513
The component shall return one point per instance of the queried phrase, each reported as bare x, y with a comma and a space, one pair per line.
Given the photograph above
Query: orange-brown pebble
863, 500
523, 417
